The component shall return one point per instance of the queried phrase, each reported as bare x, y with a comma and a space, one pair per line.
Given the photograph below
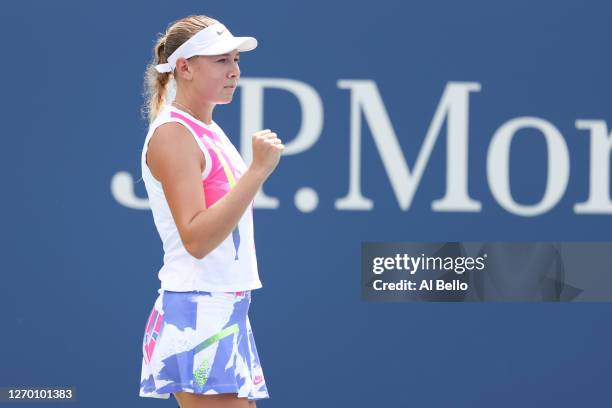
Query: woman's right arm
177, 162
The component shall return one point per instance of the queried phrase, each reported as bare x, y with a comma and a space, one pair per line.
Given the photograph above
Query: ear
183, 69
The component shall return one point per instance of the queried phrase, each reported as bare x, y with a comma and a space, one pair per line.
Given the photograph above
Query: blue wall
80, 265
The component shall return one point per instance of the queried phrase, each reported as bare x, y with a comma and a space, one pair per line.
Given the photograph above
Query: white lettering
122, 189
599, 178
453, 104
498, 166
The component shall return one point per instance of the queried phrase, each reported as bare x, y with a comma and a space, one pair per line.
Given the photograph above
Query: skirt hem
224, 389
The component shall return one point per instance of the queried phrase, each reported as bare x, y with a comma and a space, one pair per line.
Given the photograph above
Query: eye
237, 59
222, 60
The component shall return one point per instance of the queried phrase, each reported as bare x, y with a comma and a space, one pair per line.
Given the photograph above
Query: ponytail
156, 82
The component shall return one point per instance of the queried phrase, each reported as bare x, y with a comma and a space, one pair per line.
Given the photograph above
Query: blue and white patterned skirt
201, 342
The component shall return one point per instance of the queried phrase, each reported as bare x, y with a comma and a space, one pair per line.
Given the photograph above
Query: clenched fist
267, 148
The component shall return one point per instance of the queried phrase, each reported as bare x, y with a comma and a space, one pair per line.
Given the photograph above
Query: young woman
198, 342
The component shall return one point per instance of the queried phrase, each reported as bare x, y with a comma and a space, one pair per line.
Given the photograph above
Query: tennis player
198, 343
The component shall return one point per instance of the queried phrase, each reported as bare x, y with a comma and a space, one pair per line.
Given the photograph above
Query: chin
225, 101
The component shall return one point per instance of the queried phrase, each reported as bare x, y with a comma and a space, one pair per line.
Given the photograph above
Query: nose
234, 72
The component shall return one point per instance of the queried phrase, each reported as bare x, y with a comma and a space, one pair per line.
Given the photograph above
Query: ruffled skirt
201, 342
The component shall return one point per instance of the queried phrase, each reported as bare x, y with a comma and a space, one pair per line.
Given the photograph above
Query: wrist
259, 174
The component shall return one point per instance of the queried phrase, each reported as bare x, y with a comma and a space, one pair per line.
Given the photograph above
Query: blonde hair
156, 83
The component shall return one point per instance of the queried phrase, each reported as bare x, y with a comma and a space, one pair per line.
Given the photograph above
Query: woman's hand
267, 148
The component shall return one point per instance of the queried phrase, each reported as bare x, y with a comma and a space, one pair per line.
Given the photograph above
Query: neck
201, 110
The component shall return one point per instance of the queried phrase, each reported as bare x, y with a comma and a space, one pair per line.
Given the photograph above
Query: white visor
215, 39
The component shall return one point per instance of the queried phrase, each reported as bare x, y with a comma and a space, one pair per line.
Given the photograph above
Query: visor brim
242, 44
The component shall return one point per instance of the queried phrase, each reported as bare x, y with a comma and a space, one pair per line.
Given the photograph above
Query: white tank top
230, 267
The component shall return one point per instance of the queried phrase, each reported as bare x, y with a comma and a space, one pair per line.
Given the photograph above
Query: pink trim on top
216, 184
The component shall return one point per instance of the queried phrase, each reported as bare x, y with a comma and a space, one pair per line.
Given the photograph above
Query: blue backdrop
80, 255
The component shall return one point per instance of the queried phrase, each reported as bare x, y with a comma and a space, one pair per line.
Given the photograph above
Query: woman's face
214, 77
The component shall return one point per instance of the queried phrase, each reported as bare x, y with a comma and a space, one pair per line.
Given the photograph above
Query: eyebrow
226, 55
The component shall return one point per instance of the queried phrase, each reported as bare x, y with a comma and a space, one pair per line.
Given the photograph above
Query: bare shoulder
172, 146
